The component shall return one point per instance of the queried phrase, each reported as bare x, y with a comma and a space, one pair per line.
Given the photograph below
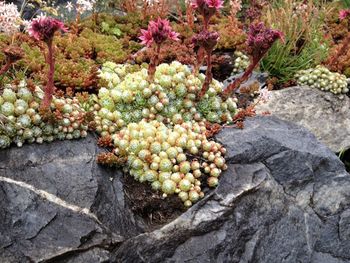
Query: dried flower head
43, 28
10, 18
344, 13
261, 38
206, 39
158, 31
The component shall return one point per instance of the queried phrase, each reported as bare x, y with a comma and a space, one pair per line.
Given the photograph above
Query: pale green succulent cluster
160, 155
240, 63
171, 98
21, 122
323, 79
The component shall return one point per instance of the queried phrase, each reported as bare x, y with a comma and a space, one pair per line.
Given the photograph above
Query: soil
151, 206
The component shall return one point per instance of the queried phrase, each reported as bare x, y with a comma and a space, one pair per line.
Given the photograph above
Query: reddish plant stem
153, 64
206, 23
237, 82
49, 89
5, 67
199, 59
208, 75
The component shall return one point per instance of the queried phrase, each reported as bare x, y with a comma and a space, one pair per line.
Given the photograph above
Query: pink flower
217, 4
344, 13
43, 28
207, 8
206, 4
158, 31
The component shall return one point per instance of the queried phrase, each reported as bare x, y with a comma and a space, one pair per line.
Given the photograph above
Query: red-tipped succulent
207, 8
260, 40
343, 14
157, 32
43, 29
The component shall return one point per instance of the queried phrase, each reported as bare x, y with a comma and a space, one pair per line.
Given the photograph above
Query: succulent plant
171, 98
240, 63
323, 79
20, 120
173, 160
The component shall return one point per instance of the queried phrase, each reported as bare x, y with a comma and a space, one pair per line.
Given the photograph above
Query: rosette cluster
323, 79
173, 160
240, 63
172, 98
21, 122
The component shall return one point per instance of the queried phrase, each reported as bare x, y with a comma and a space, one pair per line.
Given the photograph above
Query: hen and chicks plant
21, 121
172, 97
323, 79
162, 156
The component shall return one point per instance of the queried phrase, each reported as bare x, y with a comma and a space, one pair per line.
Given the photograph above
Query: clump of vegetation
304, 46
172, 97
21, 120
161, 156
323, 79
240, 63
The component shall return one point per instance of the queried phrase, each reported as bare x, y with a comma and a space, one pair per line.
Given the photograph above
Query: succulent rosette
172, 97
323, 79
21, 122
158, 155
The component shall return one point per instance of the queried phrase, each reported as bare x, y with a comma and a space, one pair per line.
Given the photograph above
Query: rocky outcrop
284, 198
55, 202
323, 113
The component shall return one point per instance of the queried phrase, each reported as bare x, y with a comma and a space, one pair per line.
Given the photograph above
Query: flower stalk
260, 40
50, 86
44, 29
157, 32
206, 40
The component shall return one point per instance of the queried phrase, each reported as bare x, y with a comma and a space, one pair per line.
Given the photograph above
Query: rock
284, 198
256, 77
324, 114
56, 202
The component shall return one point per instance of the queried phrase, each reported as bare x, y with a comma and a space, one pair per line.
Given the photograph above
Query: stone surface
324, 114
285, 198
43, 191
256, 77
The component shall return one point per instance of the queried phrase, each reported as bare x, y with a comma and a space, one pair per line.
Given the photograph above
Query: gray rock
283, 199
43, 190
258, 77
324, 114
